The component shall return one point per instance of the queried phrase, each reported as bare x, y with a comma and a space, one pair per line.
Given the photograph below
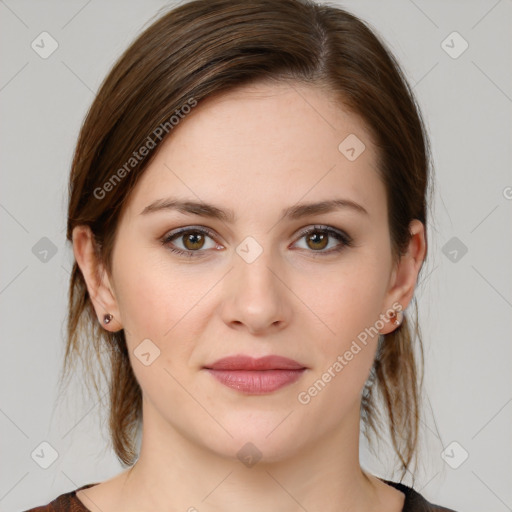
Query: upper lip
243, 362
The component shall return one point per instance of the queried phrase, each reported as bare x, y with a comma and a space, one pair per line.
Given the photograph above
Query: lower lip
256, 382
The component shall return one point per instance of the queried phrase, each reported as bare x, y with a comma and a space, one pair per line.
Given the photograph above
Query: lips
241, 362
256, 376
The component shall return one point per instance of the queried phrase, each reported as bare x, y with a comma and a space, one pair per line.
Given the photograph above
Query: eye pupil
194, 241
318, 238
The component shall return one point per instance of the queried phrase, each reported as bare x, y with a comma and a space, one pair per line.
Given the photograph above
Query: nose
256, 297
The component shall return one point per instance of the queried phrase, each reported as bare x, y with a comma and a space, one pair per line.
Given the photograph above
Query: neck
174, 472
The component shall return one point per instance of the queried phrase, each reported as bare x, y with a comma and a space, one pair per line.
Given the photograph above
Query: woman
247, 211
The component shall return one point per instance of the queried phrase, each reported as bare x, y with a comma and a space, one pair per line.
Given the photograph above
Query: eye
195, 241
324, 239
189, 241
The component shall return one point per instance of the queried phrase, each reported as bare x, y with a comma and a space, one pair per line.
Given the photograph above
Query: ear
405, 274
96, 278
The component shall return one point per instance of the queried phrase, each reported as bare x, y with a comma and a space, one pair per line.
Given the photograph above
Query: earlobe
405, 274
96, 279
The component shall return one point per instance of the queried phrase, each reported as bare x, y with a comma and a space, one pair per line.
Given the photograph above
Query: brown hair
205, 47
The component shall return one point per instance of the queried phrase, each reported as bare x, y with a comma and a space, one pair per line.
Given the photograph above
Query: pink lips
256, 376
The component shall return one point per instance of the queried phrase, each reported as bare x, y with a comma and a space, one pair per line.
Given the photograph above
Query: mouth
256, 376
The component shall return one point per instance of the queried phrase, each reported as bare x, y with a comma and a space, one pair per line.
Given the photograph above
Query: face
217, 255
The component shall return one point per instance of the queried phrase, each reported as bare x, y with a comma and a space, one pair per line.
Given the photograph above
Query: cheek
157, 301
349, 300
349, 307
139, 305
162, 307
142, 305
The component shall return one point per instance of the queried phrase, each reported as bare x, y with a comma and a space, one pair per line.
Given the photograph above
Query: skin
256, 151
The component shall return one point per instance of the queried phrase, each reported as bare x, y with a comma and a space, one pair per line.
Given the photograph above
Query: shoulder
67, 502
415, 502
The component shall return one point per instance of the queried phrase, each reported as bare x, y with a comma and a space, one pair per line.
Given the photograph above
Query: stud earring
397, 318
107, 318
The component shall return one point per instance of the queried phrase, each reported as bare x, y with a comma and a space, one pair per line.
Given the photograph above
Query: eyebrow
227, 215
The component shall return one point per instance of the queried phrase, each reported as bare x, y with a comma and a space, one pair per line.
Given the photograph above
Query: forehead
267, 143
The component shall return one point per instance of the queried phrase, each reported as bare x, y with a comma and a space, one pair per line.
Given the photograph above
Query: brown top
68, 502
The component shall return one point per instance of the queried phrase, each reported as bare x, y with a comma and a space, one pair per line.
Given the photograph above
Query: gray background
465, 300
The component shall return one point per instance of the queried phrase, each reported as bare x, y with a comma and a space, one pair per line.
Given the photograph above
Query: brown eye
193, 241
323, 240
190, 242
317, 241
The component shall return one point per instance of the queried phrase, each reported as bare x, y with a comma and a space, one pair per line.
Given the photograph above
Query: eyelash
338, 235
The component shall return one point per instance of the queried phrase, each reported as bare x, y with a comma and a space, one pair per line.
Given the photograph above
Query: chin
259, 439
